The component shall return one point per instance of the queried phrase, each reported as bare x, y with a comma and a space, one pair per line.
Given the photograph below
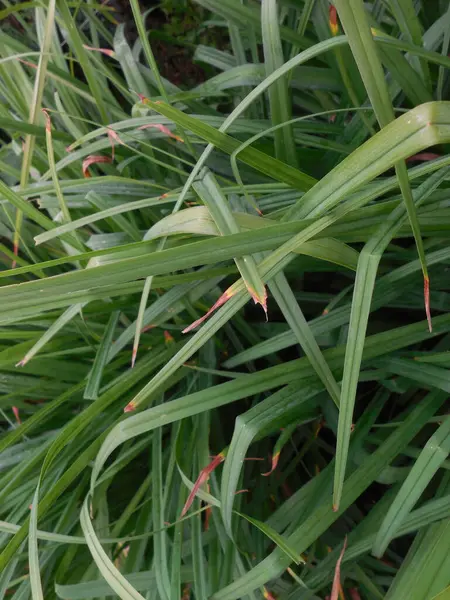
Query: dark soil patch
175, 28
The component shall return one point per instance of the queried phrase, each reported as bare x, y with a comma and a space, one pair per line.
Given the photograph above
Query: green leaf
362, 297
217, 205
431, 458
275, 537
115, 580
264, 163
278, 93
96, 373
324, 516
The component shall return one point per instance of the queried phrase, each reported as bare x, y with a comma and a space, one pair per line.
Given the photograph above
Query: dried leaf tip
268, 595
168, 338
335, 590
229, 293
142, 98
275, 459
133, 357
27, 63
163, 129
113, 137
130, 407
16, 415
105, 51
260, 299
333, 19
201, 479
16, 253
48, 121
93, 159
426, 296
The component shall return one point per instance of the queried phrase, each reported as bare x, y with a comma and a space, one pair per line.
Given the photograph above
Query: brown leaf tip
333, 19
223, 298
16, 415
275, 459
163, 129
258, 299
133, 357
93, 159
337, 588
201, 479
168, 338
106, 51
48, 122
268, 595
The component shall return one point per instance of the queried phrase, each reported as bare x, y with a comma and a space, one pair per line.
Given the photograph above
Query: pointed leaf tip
93, 159
333, 19
275, 459
426, 295
27, 63
16, 253
162, 129
16, 415
113, 137
201, 479
168, 338
268, 595
259, 298
106, 51
48, 121
130, 407
337, 574
223, 298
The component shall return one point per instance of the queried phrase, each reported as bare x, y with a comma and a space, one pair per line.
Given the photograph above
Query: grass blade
36, 104
309, 530
434, 453
96, 373
216, 203
362, 297
278, 93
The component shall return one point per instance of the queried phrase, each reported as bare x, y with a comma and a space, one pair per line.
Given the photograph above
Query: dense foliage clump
224, 335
